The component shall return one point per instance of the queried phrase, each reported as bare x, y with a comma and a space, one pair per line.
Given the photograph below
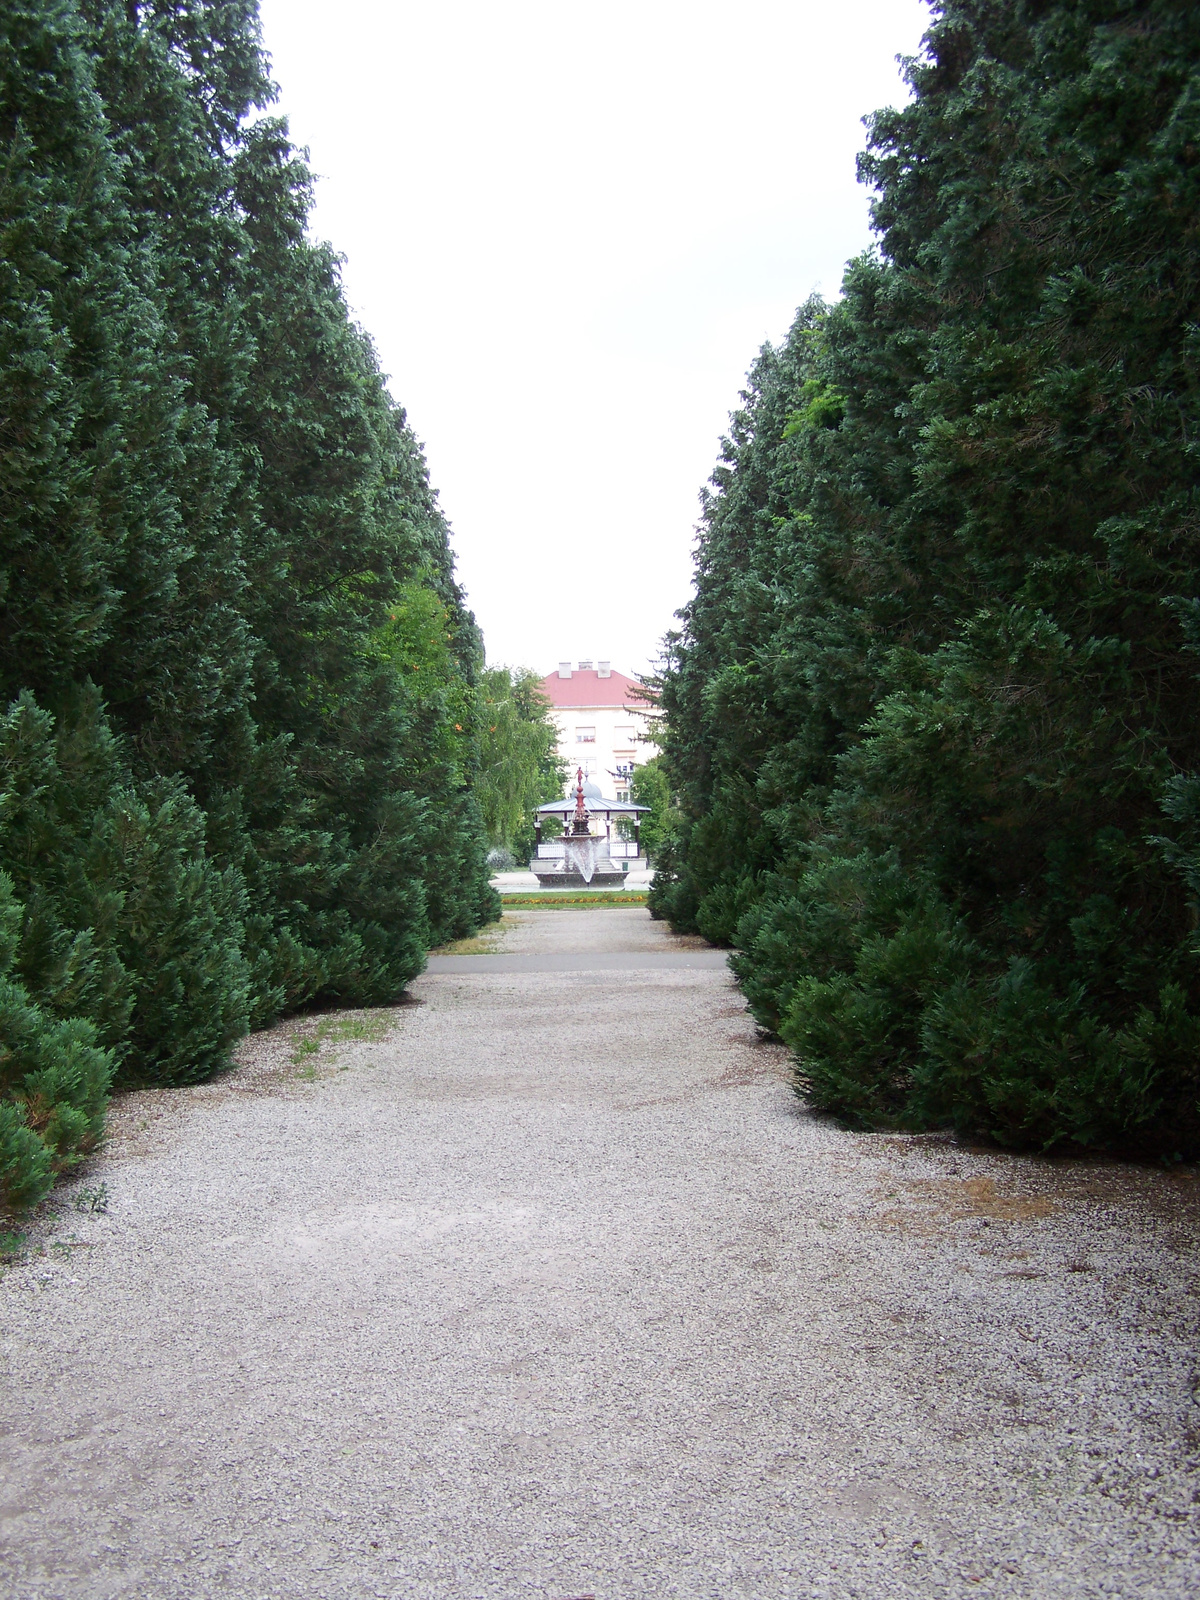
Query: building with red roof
602, 722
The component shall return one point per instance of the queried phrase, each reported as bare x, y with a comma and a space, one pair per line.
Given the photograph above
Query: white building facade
602, 723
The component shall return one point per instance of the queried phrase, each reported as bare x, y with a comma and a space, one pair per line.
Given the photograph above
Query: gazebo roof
594, 804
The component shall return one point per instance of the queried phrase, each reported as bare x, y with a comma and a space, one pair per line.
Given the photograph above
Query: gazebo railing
618, 849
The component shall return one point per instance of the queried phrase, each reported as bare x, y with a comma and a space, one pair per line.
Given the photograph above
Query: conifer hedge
240, 727
932, 715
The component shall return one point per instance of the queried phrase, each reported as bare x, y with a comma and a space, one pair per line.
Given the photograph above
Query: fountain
583, 859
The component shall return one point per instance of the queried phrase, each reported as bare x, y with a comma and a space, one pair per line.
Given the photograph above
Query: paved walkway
556, 1290
583, 961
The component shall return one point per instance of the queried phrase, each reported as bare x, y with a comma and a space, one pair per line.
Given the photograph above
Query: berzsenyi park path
546, 1284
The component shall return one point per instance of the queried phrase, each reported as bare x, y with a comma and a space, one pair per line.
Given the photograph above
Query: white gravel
557, 1291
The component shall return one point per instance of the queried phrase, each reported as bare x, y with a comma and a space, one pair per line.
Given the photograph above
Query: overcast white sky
569, 229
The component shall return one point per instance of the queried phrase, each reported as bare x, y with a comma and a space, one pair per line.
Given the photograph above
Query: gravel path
555, 1290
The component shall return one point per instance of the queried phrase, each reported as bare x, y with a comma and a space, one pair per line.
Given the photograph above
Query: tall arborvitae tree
933, 710
126, 933
360, 843
237, 770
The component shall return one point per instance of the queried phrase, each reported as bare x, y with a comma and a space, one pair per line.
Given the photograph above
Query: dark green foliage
53, 1079
240, 747
127, 923
77, 339
932, 717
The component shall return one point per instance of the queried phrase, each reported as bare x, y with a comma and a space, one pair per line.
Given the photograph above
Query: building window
585, 735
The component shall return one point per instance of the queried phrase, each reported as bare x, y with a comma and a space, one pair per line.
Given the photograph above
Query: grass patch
482, 943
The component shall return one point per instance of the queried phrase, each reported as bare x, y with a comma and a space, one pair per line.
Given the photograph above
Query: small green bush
126, 923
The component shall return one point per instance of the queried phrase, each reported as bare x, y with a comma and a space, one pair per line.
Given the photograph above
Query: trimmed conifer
932, 714
227, 791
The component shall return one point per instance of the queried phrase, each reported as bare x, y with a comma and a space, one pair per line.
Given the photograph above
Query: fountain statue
581, 847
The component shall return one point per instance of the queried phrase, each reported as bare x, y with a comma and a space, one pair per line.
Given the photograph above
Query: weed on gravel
93, 1200
12, 1247
354, 1027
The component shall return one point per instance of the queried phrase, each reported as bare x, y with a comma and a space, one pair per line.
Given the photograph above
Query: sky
569, 229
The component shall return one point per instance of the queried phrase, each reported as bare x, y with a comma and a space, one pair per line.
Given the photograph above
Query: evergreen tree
932, 711
362, 845
238, 763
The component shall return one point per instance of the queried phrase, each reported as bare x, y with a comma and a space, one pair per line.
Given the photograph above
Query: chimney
564, 669
604, 669
585, 666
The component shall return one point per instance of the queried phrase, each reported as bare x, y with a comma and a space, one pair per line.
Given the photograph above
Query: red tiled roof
590, 689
